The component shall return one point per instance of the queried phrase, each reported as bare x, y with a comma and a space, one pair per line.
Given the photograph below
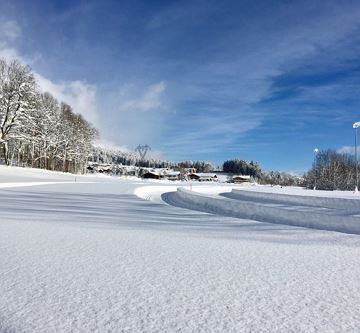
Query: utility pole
355, 126
316, 150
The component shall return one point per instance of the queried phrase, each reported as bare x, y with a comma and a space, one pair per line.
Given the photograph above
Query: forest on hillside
36, 129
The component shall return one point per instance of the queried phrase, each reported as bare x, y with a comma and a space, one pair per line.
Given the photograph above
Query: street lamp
316, 150
355, 126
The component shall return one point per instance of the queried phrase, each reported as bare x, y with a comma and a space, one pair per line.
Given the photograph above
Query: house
193, 176
240, 179
126, 170
104, 168
172, 175
152, 175
203, 177
187, 171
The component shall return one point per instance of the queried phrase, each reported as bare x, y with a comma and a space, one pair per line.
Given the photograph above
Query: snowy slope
91, 256
293, 190
335, 214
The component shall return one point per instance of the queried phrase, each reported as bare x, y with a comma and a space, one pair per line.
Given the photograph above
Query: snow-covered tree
35, 129
17, 101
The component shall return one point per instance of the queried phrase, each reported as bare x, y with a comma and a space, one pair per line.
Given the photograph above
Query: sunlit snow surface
92, 256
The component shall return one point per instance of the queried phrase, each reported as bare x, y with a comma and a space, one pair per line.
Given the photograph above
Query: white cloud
80, 95
9, 30
106, 144
8, 53
139, 105
217, 131
136, 114
347, 150
149, 100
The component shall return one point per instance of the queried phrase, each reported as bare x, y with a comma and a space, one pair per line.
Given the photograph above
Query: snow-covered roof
129, 167
172, 173
242, 176
204, 174
162, 172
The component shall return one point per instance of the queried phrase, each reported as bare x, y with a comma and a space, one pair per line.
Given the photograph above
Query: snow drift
352, 205
264, 209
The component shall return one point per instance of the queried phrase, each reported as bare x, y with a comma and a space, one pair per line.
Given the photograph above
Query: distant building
152, 175
203, 177
188, 171
161, 174
240, 179
104, 168
127, 170
172, 175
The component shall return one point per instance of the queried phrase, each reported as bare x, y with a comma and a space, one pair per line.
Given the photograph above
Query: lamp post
355, 126
316, 150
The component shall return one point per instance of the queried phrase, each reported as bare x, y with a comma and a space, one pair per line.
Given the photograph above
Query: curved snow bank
351, 205
156, 192
212, 190
328, 219
153, 193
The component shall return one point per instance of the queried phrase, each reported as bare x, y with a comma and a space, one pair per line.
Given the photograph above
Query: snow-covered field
108, 255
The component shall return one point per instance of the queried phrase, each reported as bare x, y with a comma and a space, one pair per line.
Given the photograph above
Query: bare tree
332, 171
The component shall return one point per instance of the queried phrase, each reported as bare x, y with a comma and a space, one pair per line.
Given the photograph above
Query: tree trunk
6, 153
32, 155
64, 161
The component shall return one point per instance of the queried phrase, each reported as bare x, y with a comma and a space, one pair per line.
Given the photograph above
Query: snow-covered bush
332, 171
281, 178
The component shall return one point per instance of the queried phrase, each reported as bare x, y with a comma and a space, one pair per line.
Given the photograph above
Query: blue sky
257, 80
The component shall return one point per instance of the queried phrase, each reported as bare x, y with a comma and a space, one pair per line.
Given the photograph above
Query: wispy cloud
106, 144
9, 29
138, 113
217, 131
149, 100
79, 94
348, 150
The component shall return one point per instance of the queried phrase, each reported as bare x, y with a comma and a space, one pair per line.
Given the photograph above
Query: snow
94, 256
344, 201
293, 190
323, 213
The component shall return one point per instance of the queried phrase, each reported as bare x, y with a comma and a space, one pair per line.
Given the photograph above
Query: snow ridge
323, 218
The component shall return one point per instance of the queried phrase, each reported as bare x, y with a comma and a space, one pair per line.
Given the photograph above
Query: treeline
251, 168
241, 167
200, 166
112, 156
332, 171
281, 178
37, 130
